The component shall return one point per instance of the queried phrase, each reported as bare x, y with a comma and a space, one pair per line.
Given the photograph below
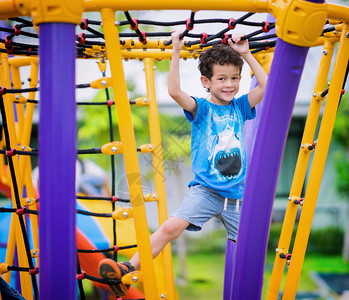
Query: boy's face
224, 83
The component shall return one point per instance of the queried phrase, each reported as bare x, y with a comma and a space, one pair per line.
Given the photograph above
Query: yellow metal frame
15, 235
300, 171
318, 166
128, 141
166, 281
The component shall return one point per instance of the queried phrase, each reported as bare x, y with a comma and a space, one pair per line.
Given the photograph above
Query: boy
217, 148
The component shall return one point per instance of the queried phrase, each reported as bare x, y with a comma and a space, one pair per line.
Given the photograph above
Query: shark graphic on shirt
226, 159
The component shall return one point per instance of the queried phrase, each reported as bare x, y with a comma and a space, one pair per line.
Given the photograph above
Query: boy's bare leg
171, 229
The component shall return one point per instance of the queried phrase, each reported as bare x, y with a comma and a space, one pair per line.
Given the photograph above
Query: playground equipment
299, 25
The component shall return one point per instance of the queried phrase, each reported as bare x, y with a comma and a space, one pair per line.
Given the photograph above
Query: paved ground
339, 283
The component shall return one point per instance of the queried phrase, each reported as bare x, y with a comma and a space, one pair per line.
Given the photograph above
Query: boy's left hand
240, 46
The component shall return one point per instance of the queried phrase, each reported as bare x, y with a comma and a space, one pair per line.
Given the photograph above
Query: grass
206, 274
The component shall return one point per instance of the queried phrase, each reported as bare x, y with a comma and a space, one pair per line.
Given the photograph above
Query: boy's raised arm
174, 87
241, 46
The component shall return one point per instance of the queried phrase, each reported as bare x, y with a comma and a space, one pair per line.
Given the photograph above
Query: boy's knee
171, 229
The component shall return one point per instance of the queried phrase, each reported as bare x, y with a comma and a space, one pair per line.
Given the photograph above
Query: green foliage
341, 132
341, 136
175, 133
328, 240
162, 66
274, 236
213, 242
94, 130
342, 168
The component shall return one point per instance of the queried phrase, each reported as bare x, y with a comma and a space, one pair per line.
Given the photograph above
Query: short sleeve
247, 112
201, 111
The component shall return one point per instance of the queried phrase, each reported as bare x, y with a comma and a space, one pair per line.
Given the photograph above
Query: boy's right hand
176, 42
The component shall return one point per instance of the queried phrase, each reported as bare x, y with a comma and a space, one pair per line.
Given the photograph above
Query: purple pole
229, 262
57, 157
262, 176
250, 130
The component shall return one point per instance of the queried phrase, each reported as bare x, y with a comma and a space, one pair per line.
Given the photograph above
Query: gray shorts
201, 204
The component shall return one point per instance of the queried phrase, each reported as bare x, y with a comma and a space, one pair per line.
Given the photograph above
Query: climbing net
90, 44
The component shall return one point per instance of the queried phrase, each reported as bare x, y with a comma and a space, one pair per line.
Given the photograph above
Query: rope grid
88, 46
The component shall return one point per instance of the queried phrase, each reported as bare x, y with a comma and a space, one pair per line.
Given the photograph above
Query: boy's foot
111, 270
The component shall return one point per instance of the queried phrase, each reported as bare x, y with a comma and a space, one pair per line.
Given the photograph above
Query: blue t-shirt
218, 154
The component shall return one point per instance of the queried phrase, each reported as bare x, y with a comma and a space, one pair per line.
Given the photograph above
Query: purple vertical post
57, 157
250, 130
229, 262
280, 94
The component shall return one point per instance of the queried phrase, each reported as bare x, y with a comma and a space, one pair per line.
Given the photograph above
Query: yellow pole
5, 81
16, 80
317, 169
26, 121
300, 171
25, 164
338, 12
126, 130
12, 8
158, 167
247, 5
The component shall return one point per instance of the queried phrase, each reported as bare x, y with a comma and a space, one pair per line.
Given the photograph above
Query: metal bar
127, 136
248, 5
57, 159
318, 166
159, 175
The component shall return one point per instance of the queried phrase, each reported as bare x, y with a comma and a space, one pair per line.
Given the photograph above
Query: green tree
341, 136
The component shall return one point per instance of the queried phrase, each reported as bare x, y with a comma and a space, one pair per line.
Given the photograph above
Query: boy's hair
218, 54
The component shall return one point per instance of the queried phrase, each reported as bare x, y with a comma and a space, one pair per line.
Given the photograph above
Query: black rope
26, 90
189, 27
18, 269
134, 26
21, 20
83, 85
263, 37
15, 91
329, 29
324, 93
30, 153
26, 46
102, 198
90, 151
78, 271
88, 213
238, 21
107, 249
19, 52
113, 171
93, 103
15, 210
95, 32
